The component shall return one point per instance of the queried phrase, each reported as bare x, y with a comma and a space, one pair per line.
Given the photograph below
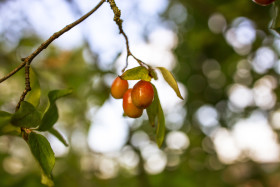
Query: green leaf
5, 125
42, 151
47, 180
169, 78
51, 115
9, 129
34, 95
152, 110
49, 118
58, 136
137, 73
155, 111
5, 118
27, 116
153, 73
276, 17
160, 132
56, 94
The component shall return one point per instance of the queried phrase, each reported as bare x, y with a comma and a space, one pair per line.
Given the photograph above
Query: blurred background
226, 60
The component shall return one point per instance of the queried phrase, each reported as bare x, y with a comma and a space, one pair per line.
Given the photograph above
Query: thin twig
28, 60
129, 53
118, 20
62, 31
50, 40
27, 85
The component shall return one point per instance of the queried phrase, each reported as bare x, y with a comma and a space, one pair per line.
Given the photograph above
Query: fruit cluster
135, 99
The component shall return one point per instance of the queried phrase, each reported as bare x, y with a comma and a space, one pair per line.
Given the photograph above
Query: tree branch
28, 60
12, 72
50, 40
62, 31
27, 85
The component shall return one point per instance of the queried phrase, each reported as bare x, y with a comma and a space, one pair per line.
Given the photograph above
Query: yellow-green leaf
9, 129
153, 73
5, 118
169, 78
137, 73
47, 180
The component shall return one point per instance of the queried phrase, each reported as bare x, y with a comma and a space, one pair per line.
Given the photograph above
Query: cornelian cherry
142, 94
263, 2
118, 88
129, 108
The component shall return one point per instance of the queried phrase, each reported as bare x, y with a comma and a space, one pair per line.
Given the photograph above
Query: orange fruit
118, 88
142, 94
129, 108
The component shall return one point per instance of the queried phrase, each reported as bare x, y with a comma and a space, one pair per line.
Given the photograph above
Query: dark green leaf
276, 17
51, 115
137, 73
5, 118
169, 78
42, 151
58, 136
27, 116
152, 110
34, 95
49, 118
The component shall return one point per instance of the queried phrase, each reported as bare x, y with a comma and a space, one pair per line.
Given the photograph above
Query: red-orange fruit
142, 94
118, 88
129, 108
263, 2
